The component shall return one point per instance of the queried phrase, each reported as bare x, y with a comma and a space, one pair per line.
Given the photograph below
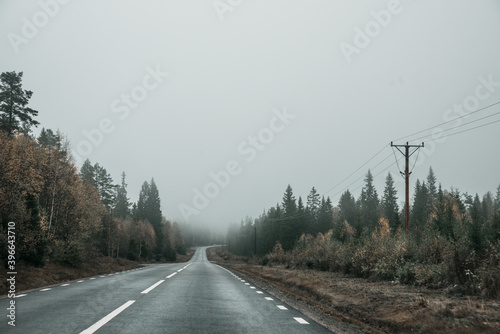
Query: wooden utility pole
406, 174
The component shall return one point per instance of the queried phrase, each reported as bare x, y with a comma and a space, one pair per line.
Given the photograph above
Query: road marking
169, 276
269, 298
281, 307
107, 318
260, 292
21, 295
179, 270
247, 283
79, 282
153, 286
101, 276
92, 278
47, 289
252, 287
65, 284
301, 321
243, 280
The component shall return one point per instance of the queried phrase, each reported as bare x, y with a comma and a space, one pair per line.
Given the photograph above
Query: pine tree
105, 186
142, 211
49, 139
369, 203
154, 214
87, 173
313, 202
311, 212
496, 205
420, 210
389, 203
475, 228
15, 116
301, 218
325, 215
431, 187
288, 224
122, 207
347, 208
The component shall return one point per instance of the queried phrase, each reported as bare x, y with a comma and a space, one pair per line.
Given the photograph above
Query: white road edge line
169, 276
66, 284
21, 295
107, 318
47, 289
301, 321
281, 307
269, 298
153, 286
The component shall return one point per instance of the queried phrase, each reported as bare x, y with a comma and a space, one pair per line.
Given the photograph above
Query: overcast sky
261, 94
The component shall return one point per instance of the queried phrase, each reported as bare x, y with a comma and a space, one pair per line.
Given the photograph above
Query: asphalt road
192, 297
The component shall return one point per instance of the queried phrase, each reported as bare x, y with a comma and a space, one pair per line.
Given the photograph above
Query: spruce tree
389, 203
431, 187
142, 211
420, 210
369, 203
154, 214
347, 208
122, 207
49, 139
87, 173
476, 225
288, 225
325, 215
105, 186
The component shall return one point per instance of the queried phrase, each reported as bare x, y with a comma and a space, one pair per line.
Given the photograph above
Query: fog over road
193, 297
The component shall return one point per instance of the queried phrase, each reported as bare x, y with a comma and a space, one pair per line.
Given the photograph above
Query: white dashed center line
79, 282
171, 275
65, 284
21, 295
281, 307
153, 286
260, 292
269, 298
247, 283
47, 289
301, 321
107, 318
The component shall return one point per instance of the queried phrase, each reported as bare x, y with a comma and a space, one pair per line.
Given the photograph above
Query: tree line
63, 214
453, 215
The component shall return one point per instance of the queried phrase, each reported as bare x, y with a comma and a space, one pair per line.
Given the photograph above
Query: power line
453, 120
347, 187
458, 126
373, 157
476, 127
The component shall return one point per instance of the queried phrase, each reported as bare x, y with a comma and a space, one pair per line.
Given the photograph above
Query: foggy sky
270, 92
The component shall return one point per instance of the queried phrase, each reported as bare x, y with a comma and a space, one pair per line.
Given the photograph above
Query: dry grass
379, 306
